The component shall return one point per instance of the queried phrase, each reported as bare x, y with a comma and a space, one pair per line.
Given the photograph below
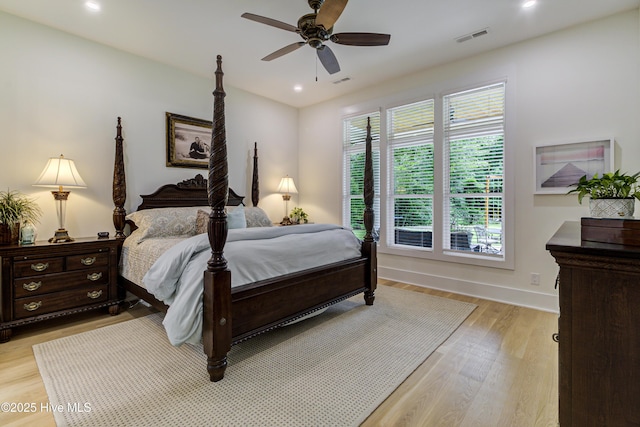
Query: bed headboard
190, 192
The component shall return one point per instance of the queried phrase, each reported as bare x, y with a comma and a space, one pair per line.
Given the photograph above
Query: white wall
574, 84
60, 94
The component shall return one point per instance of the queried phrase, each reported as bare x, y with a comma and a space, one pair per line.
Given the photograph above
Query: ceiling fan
317, 28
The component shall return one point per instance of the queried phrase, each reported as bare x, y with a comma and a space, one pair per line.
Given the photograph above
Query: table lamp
60, 172
286, 187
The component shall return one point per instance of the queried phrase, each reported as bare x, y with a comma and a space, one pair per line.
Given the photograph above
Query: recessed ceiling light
93, 6
529, 3
297, 88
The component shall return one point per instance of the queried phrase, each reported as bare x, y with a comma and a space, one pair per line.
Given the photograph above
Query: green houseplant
612, 195
298, 216
14, 209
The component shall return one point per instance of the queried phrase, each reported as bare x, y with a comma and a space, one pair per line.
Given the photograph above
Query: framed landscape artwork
188, 141
558, 166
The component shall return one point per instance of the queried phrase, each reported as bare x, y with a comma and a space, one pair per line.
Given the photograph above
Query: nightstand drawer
39, 266
47, 303
78, 262
38, 285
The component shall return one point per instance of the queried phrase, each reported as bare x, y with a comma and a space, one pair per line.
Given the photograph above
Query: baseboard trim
522, 298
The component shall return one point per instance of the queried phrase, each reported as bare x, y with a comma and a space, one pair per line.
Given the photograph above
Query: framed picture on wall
560, 165
188, 141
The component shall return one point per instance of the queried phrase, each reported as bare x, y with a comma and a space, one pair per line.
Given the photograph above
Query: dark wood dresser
48, 280
599, 330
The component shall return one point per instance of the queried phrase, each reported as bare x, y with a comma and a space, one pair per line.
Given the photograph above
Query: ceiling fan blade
269, 21
328, 59
361, 39
287, 49
329, 12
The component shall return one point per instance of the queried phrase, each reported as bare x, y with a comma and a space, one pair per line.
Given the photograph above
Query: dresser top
567, 239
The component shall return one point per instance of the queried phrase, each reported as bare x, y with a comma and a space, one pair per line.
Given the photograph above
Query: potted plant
298, 216
612, 195
14, 209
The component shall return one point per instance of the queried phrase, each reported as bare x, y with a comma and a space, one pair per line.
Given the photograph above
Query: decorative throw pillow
202, 219
235, 219
164, 222
256, 217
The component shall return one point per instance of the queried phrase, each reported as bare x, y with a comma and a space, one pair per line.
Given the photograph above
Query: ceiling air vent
342, 80
473, 35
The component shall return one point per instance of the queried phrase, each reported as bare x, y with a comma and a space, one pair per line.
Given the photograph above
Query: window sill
460, 257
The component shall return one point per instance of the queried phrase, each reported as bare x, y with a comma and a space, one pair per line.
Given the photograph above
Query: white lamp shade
60, 172
287, 186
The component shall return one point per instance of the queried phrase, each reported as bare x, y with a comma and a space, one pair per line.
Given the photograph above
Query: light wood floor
500, 368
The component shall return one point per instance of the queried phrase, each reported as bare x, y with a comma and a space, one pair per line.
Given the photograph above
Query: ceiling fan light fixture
315, 43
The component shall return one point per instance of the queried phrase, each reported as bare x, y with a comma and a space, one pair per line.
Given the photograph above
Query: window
354, 135
474, 167
443, 175
410, 150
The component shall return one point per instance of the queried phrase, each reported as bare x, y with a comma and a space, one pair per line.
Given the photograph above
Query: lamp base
61, 236
286, 221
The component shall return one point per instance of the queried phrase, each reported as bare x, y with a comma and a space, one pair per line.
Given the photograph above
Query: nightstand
47, 280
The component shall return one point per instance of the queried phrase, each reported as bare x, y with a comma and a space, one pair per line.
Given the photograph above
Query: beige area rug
330, 370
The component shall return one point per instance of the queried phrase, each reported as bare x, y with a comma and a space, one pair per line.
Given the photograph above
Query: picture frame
188, 141
559, 165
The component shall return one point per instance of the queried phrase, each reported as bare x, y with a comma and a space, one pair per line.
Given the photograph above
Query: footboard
264, 305
234, 315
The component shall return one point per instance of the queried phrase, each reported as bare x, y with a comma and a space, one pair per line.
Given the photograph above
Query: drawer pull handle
88, 260
33, 306
94, 294
40, 266
94, 276
31, 286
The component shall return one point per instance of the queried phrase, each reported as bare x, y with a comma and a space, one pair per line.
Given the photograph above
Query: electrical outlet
535, 279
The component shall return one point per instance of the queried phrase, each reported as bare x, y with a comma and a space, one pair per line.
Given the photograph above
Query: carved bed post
119, 186
255, 187
369, 248
217, 278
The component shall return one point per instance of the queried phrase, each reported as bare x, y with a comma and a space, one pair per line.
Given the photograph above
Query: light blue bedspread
253, 254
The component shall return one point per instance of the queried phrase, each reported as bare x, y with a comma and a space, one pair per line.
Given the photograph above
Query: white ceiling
189, 34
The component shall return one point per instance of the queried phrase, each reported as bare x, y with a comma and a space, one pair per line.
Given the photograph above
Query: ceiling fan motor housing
315, 35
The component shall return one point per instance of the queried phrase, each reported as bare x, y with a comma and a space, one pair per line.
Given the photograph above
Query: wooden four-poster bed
234, 314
